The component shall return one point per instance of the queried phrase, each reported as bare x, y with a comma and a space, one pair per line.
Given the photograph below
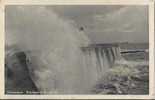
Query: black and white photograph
76, 49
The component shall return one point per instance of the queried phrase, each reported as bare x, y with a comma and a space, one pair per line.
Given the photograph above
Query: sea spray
52, 46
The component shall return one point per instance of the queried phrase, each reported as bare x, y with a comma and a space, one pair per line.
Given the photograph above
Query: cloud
127, 23
109, 23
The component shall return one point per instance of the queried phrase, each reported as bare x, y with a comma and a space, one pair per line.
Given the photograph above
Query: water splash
99, 58
52, 46
55, 59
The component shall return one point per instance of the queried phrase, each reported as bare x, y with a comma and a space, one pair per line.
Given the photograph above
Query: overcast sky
109, 23
105, 24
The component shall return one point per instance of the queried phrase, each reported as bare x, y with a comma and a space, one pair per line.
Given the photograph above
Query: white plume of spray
52, 46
